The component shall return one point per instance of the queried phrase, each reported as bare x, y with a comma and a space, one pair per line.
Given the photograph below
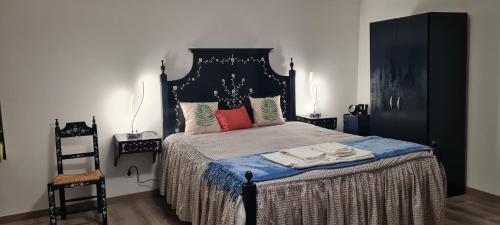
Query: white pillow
267, 111
200, 117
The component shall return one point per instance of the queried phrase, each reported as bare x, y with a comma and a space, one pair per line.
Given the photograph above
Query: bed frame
229, 76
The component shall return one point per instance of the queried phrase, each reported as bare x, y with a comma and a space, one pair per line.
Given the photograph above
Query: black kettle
359, 109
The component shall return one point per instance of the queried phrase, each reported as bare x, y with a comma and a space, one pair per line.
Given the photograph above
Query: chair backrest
76, 129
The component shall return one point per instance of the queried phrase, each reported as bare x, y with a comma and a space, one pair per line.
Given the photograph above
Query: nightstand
357, 124
148, 142
327, 122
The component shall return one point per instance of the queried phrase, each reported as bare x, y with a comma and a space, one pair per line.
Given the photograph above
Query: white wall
483, 139
74, 59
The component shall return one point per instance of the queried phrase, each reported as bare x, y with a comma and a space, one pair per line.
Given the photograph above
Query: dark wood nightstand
148, 142
357, 124
327, 122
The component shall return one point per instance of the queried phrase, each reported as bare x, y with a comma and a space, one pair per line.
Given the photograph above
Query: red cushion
234, 119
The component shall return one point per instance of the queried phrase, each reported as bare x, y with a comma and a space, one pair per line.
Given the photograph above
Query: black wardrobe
418, 85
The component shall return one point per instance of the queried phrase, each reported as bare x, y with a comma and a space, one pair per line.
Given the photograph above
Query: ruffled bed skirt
408, 189
195, 199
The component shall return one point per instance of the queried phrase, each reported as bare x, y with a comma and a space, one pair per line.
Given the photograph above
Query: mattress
407, 189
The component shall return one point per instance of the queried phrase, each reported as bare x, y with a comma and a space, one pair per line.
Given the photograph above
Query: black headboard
228, 76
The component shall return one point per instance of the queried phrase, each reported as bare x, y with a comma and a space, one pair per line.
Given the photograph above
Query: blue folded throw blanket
229, 174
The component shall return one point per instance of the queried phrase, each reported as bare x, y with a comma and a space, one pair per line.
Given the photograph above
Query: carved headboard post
165, 92
292, 116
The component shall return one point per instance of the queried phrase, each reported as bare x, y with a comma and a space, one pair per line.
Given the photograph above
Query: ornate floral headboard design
228, 76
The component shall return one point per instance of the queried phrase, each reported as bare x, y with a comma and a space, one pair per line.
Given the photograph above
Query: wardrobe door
411, 78
448, 94
382, 72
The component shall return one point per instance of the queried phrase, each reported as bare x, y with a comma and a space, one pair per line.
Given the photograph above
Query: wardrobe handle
397, 102
390, 102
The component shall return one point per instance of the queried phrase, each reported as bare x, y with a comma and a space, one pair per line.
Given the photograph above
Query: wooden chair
63, 181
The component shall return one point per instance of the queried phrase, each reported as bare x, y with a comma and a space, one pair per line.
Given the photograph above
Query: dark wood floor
473, 208
469, 209
143, 211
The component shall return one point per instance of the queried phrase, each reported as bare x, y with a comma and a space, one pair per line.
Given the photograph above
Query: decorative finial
163, 66
93, 119
291, 63
57, 122
249, 176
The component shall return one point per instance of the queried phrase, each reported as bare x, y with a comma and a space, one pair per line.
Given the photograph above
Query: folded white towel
304, 153
308, 156
336, 149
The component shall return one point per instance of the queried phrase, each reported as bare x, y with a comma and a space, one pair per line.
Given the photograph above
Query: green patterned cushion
200, 117
267, 111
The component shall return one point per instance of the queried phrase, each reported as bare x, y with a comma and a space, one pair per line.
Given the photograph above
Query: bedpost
164, 94
250, 199
291, 73
435, 149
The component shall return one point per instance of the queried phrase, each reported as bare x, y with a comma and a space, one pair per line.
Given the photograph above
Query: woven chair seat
63, 179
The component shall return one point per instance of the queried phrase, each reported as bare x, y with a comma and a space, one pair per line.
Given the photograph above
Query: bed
407, 189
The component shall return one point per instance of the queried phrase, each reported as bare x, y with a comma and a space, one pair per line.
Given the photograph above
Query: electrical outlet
129, 172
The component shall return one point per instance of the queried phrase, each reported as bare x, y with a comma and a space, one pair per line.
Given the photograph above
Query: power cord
129, 173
